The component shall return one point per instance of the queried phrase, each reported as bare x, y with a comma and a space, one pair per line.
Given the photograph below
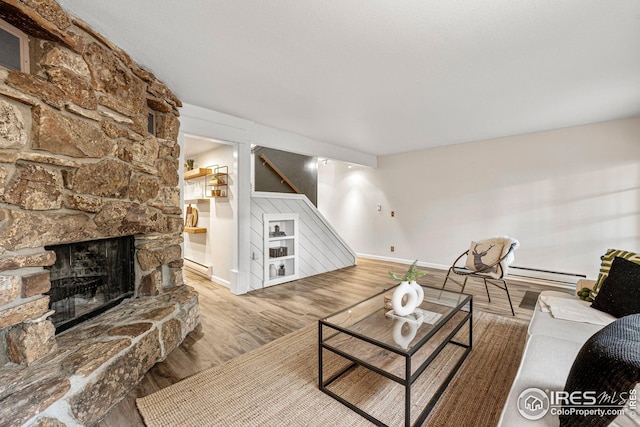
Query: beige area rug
277, 385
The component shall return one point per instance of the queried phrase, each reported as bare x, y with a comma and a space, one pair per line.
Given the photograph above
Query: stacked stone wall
77, 163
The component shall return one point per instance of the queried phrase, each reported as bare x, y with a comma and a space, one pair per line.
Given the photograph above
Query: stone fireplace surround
77, 163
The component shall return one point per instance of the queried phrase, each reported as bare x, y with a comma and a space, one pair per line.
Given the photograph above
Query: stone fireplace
80, 166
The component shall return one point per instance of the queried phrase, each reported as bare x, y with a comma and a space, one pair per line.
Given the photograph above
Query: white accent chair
487, 259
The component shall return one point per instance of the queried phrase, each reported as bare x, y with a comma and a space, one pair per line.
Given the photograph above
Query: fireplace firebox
88, 278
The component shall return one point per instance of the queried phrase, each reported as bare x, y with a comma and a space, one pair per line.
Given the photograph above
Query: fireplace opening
89, 278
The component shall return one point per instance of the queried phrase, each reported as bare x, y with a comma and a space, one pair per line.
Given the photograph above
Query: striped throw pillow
605, 266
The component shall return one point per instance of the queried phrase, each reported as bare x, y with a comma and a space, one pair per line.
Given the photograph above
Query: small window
14, 48
151, 123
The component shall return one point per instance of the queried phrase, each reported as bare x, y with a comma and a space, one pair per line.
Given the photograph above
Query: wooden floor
232, 325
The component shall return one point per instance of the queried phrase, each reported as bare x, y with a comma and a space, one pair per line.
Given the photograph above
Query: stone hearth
79, 162
98, 362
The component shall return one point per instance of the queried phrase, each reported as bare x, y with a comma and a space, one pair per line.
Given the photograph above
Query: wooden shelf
197, 173
195, 230
195, 201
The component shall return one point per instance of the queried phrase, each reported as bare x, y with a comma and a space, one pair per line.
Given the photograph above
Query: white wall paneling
320, 248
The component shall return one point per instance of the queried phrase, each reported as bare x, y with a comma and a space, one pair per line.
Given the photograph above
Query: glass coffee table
368, 353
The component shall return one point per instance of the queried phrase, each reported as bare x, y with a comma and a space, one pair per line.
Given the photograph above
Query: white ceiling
388, 76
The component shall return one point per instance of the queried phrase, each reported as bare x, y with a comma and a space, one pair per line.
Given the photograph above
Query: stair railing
283, 178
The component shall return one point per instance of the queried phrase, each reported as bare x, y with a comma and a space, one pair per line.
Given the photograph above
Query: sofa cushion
545, 364
620, 292
607, 261
543, 322
609, 362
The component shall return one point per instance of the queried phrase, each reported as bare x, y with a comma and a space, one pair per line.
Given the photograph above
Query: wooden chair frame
499, 282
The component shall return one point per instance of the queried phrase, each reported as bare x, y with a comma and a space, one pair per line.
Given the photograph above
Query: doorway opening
210, 207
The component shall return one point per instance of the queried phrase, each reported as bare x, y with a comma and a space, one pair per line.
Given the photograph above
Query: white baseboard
220, 281
557, 280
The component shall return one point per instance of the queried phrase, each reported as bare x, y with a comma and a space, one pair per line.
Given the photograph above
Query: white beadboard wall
320, 248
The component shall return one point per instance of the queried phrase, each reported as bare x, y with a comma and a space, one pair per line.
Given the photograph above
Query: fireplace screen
88, 278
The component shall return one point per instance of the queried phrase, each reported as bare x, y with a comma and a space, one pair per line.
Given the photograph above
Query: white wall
566, 194
215, 247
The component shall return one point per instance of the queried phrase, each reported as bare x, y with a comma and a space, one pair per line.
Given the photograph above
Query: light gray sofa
551, 348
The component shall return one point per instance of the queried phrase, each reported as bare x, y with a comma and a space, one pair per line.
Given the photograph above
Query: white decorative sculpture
405, 289
408, 288
419, 291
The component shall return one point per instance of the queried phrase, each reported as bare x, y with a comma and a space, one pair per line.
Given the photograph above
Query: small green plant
412, 274
585, 294
190, 164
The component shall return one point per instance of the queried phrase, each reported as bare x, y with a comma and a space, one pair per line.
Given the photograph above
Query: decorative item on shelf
281, 270
189, 164
278, 252
277, 233
409, 294
272, 271
191, 219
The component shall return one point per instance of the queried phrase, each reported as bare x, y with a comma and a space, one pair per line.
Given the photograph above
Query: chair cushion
620, 292
609, 362
483, 254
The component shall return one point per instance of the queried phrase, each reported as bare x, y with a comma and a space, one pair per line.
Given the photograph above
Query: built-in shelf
195, 230
195, 201
280, 248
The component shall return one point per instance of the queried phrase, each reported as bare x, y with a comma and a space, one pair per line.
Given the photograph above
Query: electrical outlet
393, 213
393, 248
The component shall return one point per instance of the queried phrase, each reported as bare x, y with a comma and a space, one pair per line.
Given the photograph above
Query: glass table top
369, 319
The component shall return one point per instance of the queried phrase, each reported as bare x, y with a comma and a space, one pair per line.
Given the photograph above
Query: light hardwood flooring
232, 325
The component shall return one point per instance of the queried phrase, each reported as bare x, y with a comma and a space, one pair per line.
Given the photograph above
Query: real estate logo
533, 404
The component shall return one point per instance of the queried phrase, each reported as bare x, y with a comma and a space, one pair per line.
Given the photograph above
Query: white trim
267, 136
213, 125
25, 65
220, 281
272, 195
236, 129
545, 280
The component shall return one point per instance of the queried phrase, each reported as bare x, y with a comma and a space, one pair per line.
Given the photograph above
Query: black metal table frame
409, 379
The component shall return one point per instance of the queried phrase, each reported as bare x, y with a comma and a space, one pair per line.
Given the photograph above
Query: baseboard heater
548, 277
197, 268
